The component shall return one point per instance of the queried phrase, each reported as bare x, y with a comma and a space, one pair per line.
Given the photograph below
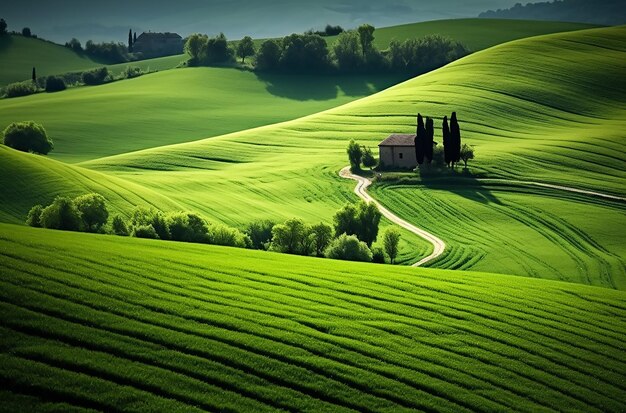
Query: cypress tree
34, 75
447, 142
420, 137
455, 133
135, 38
430, 140
130, 41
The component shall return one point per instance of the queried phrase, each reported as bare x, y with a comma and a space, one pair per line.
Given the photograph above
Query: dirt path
361, 190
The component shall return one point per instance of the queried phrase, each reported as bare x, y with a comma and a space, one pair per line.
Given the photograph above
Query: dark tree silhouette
447, 142
420, 137
130, 41
430, 140
34, 75
3, 27
455, 133
26, 32
134, 37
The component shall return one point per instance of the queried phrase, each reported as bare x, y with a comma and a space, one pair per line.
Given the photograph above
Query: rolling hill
251, 331
529, 120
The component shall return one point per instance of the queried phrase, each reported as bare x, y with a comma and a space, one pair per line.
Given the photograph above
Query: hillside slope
546, 119
251, 331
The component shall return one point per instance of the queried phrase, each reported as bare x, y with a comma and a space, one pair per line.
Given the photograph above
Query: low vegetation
28, 137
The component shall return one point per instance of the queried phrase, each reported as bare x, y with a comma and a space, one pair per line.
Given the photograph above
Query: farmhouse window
400, 154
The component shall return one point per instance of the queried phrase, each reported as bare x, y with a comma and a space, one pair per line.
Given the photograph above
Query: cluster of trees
358, 155
28, 137
351, 238
26, 32
328, 31
453, 151
108, 52
353, 51
3, 27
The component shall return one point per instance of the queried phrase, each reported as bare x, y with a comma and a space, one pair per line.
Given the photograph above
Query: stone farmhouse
398, 151
158, 44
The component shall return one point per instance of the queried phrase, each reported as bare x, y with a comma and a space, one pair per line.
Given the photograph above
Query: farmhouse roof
399, 140
160, 36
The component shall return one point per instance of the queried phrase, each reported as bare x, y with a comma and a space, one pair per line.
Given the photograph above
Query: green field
179, 106
547, 119
251, 331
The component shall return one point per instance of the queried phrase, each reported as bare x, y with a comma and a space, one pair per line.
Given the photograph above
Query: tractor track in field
439, 245
361, 190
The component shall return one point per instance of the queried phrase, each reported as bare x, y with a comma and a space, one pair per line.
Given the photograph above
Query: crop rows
196, 328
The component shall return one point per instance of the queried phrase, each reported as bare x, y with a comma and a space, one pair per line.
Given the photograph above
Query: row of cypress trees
424, 140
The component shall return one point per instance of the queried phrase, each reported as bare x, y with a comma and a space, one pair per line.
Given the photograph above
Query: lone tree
3, 27
420, 138
429, 142
391, 239
368, 158
245, 48
26, 32
447, 142
355, 155
28, 137
455, 134
366, 36
467, 153
34, 75
130, 41
322, 235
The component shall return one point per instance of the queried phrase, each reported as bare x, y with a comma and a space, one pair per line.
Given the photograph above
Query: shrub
368, 158
93, 211
187, 227
55, 84
288, 237
219, 234
355, 155
34, 216
61, 214
28, 137
349, 248
19, 89
142, 217
260, 233
132, 71
145, 231
391, 240
378, 255
96, 76
119, 227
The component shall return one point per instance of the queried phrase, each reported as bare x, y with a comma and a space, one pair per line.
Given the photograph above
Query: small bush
187, 227
28, 137
19, 89
119, 227
378, 255
145, 231
230, 237
96, 76
260, 233
34, 216
93, 211
132, 71
61, 214
55, 84
349, 248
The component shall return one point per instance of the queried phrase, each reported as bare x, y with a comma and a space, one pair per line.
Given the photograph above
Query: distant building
158, 44
398, 151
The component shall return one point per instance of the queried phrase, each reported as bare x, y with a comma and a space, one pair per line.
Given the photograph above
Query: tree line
354, 51
354, 230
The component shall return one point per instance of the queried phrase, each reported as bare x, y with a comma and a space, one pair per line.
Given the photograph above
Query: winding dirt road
361, 190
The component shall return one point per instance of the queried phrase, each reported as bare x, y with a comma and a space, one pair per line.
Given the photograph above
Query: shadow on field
323, 87
463, 184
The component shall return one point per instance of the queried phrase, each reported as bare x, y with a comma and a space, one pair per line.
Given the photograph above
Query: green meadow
253, 331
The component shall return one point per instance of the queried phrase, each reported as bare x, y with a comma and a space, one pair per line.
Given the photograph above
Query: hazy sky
110, 19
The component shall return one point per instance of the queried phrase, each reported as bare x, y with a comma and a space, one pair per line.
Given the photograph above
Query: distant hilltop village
156, 44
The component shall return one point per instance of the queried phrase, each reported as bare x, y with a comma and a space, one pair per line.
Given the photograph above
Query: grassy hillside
22, 53
548, 119
31, 179
476, 34
19, 54
179, 106
291, 333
